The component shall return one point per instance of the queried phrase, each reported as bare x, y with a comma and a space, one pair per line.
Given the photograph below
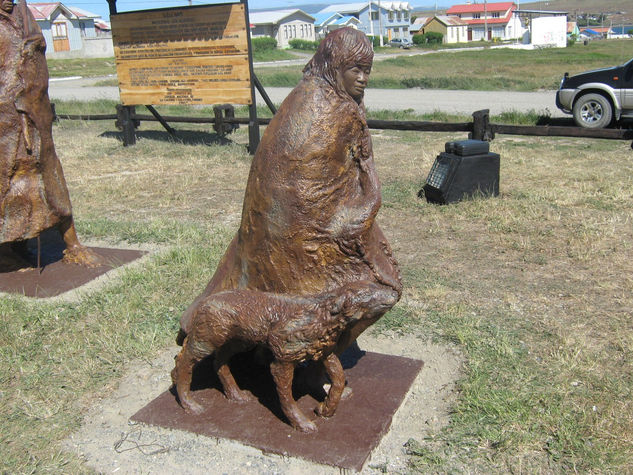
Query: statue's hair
342, 47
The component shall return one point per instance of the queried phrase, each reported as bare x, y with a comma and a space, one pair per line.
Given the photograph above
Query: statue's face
354, 80
7, 5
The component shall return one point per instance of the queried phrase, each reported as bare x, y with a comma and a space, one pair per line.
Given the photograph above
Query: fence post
125, 123
482, 129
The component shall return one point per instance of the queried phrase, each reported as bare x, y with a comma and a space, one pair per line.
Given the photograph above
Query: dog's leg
283, 373
181, 376
221, 365
337, 376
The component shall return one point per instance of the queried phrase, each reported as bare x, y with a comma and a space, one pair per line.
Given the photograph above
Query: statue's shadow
253, 375
185, 137
27, 254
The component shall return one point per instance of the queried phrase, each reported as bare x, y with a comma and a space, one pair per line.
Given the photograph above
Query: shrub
430, 37
433, 37
376, 40
263, 43
304, 44
419, 39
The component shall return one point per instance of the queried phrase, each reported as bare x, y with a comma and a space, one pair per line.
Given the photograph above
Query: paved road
419, 100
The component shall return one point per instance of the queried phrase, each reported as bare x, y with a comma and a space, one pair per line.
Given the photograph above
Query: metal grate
438, 174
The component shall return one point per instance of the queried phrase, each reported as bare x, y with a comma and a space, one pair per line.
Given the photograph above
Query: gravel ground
109, 443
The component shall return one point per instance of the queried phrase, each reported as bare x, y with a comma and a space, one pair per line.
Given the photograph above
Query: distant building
390, 19
283, 25
598, 31
572, 29
418, 24
498, 18
70, 31
452, 28
622, 31
329, 21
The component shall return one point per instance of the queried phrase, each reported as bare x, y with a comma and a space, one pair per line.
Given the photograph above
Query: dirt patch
109, 443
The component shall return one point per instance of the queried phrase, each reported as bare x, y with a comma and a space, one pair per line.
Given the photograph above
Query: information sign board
186, 55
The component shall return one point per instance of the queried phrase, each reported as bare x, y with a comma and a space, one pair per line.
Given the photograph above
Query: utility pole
371, 20
380, 23
486, 20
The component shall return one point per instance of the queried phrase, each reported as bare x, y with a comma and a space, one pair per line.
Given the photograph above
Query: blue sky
100, 7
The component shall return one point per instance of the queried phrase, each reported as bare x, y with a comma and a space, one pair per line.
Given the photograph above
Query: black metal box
463, 172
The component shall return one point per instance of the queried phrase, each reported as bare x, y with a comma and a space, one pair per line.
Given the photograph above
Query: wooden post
481, 126
253, 125
125, 123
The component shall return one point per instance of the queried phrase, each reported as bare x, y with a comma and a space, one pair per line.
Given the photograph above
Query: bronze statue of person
33, 191
308, 220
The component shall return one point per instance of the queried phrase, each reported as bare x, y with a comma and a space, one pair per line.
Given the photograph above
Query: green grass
487, 69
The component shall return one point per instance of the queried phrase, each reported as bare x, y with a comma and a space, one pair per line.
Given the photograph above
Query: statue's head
344, 60
7, 6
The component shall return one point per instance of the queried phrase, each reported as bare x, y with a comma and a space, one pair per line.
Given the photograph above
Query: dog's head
362, 299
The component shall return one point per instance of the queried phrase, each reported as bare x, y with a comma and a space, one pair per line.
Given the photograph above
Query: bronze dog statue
295, 329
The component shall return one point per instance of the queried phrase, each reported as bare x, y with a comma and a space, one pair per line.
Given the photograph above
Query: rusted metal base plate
379, 383
54, 277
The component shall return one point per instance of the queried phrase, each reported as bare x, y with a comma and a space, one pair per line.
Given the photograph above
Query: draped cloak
308, 219
33, 191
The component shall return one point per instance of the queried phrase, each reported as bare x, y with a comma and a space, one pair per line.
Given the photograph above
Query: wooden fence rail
480, 128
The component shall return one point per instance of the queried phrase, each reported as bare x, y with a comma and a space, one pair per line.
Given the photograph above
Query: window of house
495, 14
301, 30
390, 16
82, 28
406, 15
399, 16
374, 16
60, 30
285, 31
294, 31
476, 15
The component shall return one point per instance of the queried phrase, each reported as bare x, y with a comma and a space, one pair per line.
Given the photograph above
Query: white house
283, 25
499, 18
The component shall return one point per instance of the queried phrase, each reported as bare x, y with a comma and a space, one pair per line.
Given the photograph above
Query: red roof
506, 7
479, 8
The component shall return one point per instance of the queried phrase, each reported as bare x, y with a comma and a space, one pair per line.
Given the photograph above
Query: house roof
323, 18
360, 6
479, 8
347, 7
421, 20
597, 29
274, 16
44, 11
346, 20
451, 20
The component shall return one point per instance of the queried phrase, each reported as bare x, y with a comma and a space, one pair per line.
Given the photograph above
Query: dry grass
535, 287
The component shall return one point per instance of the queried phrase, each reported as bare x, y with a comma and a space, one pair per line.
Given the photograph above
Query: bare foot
83, 256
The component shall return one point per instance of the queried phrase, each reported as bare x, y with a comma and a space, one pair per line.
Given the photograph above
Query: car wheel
592, 111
